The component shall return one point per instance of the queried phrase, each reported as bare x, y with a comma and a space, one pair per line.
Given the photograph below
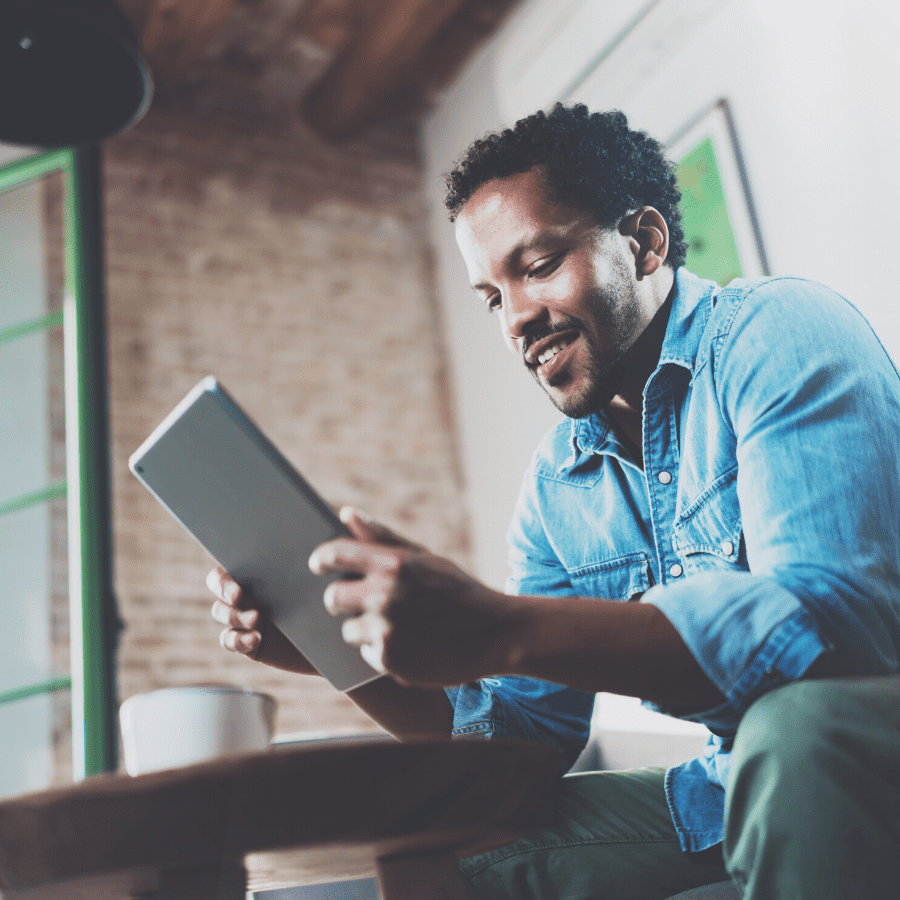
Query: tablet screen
228, 485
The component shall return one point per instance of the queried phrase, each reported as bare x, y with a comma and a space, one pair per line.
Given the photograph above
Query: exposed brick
300, 276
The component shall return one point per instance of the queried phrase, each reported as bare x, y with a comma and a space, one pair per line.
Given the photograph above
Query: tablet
225, 482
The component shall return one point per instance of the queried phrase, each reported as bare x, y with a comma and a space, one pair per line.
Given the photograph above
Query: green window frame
93, 618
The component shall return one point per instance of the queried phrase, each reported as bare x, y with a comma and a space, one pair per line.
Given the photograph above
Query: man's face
565, 290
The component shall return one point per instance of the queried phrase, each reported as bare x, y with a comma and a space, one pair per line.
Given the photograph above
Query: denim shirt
765, 522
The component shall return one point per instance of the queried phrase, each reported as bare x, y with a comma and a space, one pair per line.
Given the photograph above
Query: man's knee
814, 769
787, 730
781, 743
808, 729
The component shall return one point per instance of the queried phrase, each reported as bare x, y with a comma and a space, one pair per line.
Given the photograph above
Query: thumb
368, 530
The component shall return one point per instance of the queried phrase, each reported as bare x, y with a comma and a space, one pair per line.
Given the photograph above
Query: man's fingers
226, 614
351, 598
240, 641
348, 556
368, 633
374, 656
365, 629
366, 529
223, 586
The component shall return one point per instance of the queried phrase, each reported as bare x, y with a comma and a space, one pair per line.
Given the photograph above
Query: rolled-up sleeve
523, 709
813, 403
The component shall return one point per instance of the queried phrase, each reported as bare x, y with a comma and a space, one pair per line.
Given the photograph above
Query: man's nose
522, 312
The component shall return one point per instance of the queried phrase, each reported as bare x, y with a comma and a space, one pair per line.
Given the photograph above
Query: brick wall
299, 274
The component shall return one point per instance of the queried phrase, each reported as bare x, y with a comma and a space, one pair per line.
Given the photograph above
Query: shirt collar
691, 309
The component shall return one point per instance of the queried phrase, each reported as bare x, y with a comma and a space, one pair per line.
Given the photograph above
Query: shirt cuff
749, 634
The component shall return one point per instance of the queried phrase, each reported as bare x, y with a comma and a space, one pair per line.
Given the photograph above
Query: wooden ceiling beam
442, 59
331, 23
174, 34
382, 57
388, 57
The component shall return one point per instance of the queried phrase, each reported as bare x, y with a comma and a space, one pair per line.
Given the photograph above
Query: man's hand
425, 623
249, 631
414, 615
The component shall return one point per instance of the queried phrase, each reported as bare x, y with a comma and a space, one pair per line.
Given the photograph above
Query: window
56, 673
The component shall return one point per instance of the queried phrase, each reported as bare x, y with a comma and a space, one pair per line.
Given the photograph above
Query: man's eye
493, 303
543, 267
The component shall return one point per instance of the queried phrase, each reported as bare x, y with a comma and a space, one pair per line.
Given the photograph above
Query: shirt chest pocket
615, 579
707, 534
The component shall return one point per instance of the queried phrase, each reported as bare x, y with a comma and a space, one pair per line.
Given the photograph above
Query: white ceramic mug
180, 726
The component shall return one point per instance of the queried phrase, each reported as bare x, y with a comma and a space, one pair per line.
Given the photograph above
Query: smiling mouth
551, 351
548, 348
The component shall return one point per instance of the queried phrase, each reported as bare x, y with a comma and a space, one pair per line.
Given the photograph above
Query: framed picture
720, 225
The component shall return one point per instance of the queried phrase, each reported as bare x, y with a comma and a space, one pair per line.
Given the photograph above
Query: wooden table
300, 815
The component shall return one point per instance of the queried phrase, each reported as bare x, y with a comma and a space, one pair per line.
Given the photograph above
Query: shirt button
664, 477
676, 571
727, 548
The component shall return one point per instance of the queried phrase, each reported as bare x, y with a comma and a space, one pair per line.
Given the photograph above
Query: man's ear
649, 239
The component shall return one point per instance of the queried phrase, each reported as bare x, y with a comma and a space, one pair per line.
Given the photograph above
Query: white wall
812, 90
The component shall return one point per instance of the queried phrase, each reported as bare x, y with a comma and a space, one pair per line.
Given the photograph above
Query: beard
617, 320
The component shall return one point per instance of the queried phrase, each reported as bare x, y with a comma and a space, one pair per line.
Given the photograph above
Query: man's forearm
405, 712
602, 645
593, 645
424, 620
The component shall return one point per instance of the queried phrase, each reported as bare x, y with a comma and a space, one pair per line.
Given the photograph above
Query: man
731, 462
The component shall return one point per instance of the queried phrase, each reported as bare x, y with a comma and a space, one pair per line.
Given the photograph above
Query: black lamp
70, 72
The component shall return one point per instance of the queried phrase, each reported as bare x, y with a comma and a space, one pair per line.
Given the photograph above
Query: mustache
569, 323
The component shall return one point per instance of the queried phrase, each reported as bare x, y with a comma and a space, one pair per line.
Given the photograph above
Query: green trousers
812, 813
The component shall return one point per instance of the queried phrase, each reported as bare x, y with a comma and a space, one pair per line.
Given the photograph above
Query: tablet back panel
216, 473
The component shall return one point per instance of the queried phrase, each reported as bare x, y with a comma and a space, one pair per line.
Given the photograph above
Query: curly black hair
590, 161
